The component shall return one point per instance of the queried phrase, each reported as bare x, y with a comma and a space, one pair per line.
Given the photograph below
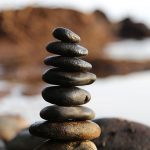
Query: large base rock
122, 135
116, 135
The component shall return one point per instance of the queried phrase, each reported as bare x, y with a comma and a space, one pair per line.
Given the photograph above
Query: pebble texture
84, 145
65, 35
55, 113
68, 63
66, 96
67, 121
70, 131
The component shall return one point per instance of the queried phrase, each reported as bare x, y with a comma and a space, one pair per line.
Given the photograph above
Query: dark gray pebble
66, 131
66, 96
65, 35
68, 63
66, 49
57, 76
24, 141
61, 145
57, 114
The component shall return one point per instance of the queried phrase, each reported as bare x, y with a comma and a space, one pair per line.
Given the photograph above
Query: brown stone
78, 145
70, 131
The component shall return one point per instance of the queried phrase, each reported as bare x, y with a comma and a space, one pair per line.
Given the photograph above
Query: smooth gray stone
57, 76
66, 131
58, 114
68, 63
65, 35
24, 141
61, 145
66, 96
66, 49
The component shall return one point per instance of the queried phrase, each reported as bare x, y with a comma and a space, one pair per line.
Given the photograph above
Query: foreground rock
122, 135
24, 141
84, 145
116, 134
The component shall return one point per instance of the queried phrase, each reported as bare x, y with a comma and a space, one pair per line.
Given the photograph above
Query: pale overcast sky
115, 9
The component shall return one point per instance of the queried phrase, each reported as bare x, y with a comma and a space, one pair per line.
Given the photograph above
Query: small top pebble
66, 35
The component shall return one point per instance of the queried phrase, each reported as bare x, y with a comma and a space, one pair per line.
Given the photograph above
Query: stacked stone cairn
68, 125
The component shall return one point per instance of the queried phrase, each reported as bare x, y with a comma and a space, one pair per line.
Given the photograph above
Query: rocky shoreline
19, 41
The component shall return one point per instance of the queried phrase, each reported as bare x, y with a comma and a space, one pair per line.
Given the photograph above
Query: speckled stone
68, 63
56, 113
65, 35
66, 96
57, 76
66, 131
66, 49
78, 145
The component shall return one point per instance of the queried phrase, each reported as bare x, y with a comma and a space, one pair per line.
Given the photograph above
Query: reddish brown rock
24, 32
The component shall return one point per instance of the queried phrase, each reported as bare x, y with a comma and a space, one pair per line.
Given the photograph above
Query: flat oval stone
57, 76
66, 96
66, 131
67, 49
77, 145
57, 114
66, 35
68, 63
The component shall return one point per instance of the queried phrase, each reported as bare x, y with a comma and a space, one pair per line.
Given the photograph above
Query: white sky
116, 9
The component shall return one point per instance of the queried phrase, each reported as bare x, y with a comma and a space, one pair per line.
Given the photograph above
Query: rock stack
67, 126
